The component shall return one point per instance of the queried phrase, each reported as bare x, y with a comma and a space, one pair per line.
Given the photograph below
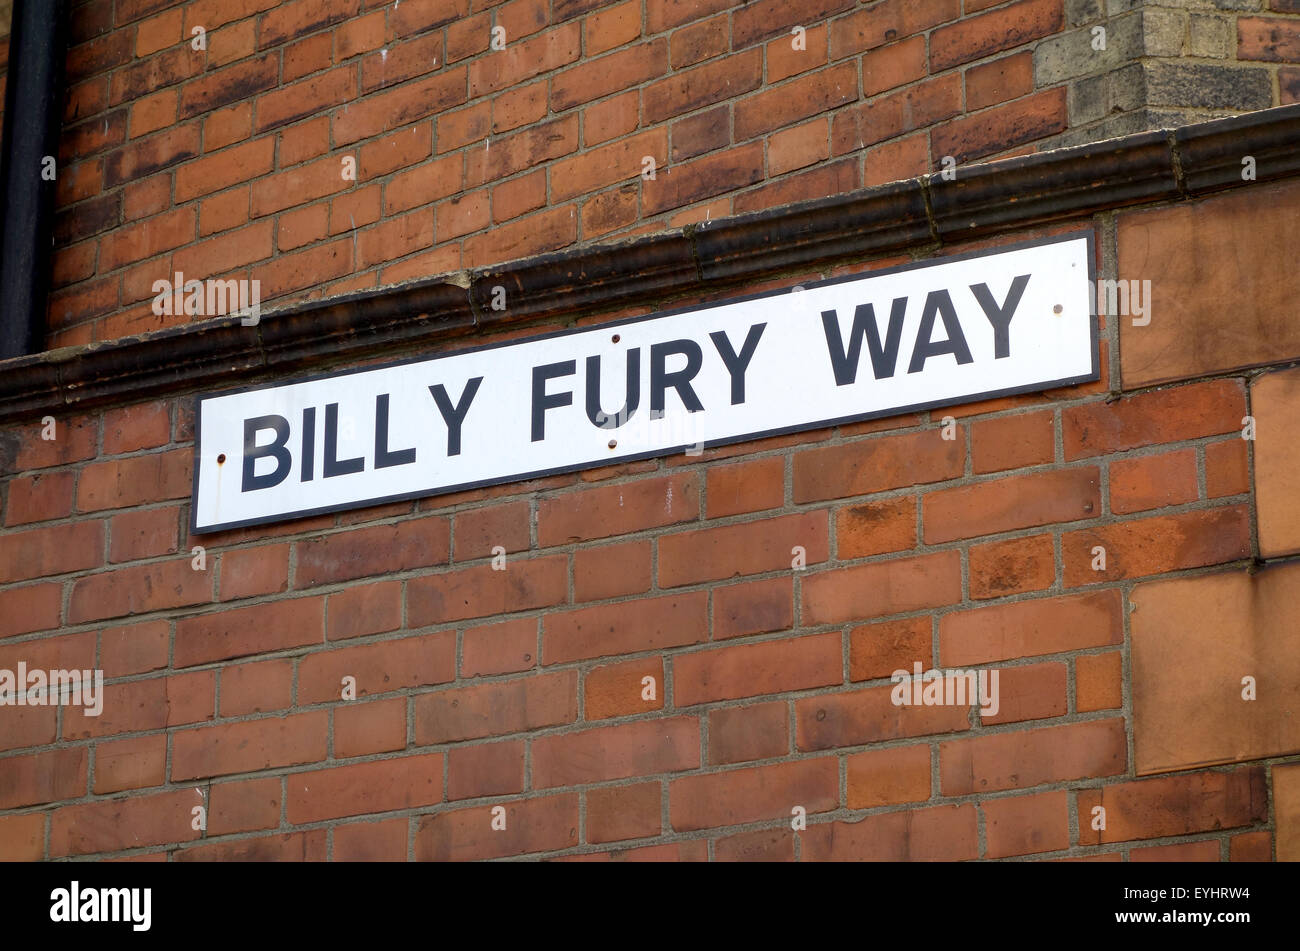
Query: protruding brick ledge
925, 212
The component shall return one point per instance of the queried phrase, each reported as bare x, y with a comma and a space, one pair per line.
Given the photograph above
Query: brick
755, 607
882, 588
784, 61
307, 56
1098, 681
364, 788
504, 648
146, 198
610, 118
595, 78
1025, 120
1268, 39
604, 630
617, 813
616, 162
763, 845
876, 465
297, 186
399, 62
151, 704
116, 824
1032, 757
1007, 504
665, 14
1031, 692
1010, 77
542, 53
765, 18
22, 837
142, 426
1159, 416
40, 778
798, 99
877, 650
1012, 442
795, 148
617, 509
496, 709
1252, 617
398, 107
383, 549
300, 17
261, 687
380, 667
1023, 825
40, 498
135, 648
545, 231
1275, 458
292, 847
74, 440
146, 239
742, 734
1250, 847
617, 690
1174, 805
638, 748
940, 833
481, 591
1206, 851
864, 716
542, 824
745, 487
888, 777
1012, 566
702, 178
289, 272
143, 534
232, 84
1157, 545
238, 632
980, 36
134, 481
1227, 467
1149, 482
138, 590
1030, 628
713, 554
875, 528
491, 769
613, 27
699, 41
749, 670
519, 196
895, 114
250, 745
463, 215
223, 212
1245, 223
364, 609
752, 794
1286, 799
423, 184
359, 35
893, 65
303, 141
371, 841
691, 89
378, 726
244, 806
135, 763
889, 21
611, 571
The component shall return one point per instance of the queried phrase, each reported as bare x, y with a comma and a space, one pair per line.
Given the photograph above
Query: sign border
1089, 234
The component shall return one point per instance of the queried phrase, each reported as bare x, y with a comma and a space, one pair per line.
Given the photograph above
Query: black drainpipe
33, 107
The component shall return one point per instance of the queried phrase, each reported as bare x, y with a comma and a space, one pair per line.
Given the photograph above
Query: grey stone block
1208, 86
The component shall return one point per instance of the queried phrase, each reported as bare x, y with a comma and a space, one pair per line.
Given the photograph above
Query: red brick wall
523, 688
227, 162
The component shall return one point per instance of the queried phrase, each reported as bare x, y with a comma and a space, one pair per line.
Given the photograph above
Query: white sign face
1011, 320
